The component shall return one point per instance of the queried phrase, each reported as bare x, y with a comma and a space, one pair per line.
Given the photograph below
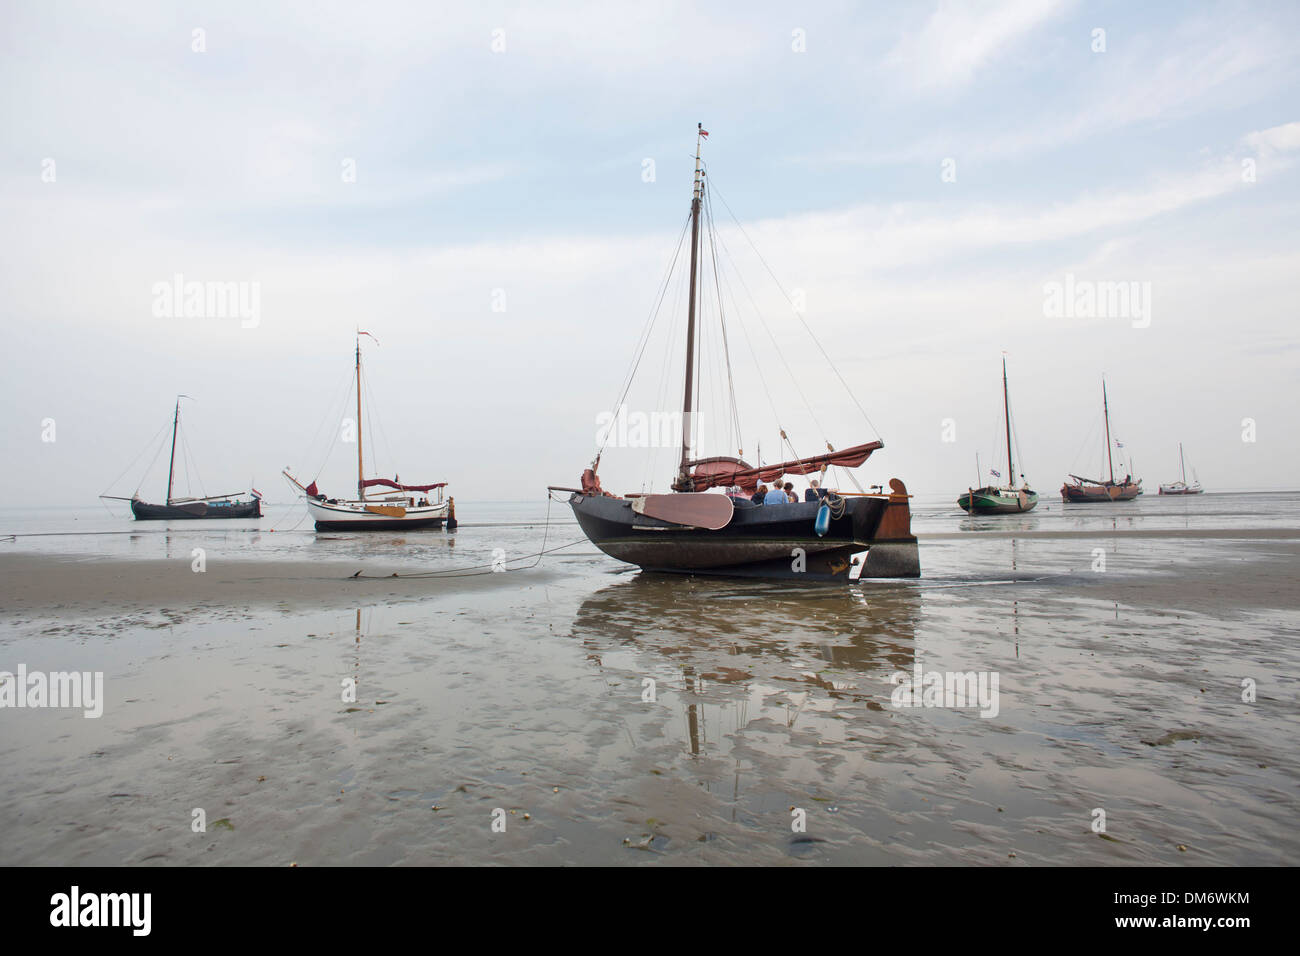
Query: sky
496, 190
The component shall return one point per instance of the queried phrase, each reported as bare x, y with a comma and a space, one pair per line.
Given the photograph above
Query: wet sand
525, 692
1253, 568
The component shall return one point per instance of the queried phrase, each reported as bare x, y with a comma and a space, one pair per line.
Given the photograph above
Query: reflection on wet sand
1006, 523
736, 649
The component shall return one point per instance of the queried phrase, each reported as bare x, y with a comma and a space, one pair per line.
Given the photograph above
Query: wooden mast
1105, 409
171, 468
1006, 410
683, 482
1181, 467
361, 488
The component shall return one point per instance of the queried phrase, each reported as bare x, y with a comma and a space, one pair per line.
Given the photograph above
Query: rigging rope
335, 417
811, 335
722, 322
644, 339
140, 455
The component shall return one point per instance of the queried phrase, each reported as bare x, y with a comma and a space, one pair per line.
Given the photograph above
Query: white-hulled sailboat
402, 508
1182, 487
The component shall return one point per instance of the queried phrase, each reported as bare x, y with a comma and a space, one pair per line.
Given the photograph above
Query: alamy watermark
625, 429
1088, 299
179, 299
950, 689
129, 910
84, 689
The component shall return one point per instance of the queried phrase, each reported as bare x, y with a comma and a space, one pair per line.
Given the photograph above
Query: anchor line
474, 570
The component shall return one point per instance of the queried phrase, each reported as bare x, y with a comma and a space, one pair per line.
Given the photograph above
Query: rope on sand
474, 570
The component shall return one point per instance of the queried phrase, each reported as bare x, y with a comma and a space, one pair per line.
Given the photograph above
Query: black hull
760, 541
382, 524
192, 510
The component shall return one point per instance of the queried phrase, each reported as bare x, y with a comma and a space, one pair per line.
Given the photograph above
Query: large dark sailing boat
692, 531
402, 508
1007, 499
215, 506
1086, 490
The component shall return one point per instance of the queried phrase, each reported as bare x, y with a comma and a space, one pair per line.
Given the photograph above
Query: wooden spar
1006, 409
361, 488
1181, 467
1105, 410
683, 476
171, 468
298, 484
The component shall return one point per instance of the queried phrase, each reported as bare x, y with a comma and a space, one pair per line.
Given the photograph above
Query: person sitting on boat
738, 497
815, 493
759, 496
790, 497
776, 496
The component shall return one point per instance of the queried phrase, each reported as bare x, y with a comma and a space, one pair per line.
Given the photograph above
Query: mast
1006, 408
171, 468
361, 488
1181, 467
682, 470
1105, 409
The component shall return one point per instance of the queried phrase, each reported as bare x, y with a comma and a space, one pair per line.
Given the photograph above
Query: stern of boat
893, 551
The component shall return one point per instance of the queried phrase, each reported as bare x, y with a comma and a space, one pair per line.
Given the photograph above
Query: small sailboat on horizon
1089, 490
1182, 487
1007, 499
397, 510
208, 507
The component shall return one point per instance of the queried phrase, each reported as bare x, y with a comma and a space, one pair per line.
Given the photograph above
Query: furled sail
719, 472
389, 483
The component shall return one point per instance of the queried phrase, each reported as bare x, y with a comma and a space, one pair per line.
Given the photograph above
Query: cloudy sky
495, 191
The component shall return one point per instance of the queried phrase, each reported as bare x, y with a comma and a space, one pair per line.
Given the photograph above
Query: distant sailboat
1008, 499
1084, 490
390, 512
1182, 487
215, 506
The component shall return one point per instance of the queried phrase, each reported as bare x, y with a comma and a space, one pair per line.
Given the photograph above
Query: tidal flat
573, 712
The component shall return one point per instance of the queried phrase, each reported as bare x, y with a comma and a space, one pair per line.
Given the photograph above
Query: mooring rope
474, 570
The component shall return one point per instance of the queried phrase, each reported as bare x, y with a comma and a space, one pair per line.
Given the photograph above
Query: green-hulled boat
997, 501
992, 500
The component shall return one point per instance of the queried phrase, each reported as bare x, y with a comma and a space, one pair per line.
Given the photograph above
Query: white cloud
1275, 139
959, 39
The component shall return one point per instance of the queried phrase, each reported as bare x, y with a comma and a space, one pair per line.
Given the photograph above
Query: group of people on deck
785, 494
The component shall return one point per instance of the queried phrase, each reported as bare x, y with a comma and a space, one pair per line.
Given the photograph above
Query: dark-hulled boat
1091, 490
991, 500
215, 506
700, 528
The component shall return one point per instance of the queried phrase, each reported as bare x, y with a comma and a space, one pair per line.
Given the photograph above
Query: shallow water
285, 531
524, 692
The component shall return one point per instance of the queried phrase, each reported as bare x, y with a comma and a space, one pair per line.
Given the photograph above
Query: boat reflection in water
730, 653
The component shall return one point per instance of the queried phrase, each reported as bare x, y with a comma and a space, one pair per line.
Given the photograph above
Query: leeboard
693, 510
